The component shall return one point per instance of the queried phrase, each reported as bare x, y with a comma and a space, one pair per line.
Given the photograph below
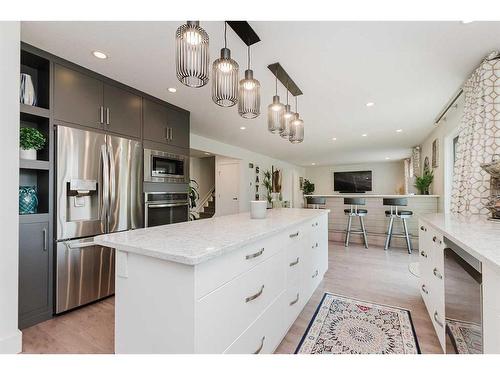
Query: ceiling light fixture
399, 130
275, 112
364, 135
387, 158
296, 127
370, 104
192, 55
288, 117
172, 89
249, 100
334, 139
225, 77
207, 153
313, 163
99, 55
242, 127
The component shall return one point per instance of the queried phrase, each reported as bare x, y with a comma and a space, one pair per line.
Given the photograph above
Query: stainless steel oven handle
149, 205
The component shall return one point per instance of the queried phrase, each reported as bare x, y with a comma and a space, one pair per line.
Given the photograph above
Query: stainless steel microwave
161, 166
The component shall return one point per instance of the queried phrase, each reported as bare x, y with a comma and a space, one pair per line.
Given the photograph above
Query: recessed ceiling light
399, 130
387, 158
207, 153
172, 89
243, 127
334, 139
364, 135
466, 21
313, 163
370, 104
100, 55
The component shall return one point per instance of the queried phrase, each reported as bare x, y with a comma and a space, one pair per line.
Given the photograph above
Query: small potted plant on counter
423, 182
30, 141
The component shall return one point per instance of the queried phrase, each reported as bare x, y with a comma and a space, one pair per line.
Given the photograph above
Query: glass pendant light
249, 100
275, 112
225, 77
287, 118
296, 127
192, 54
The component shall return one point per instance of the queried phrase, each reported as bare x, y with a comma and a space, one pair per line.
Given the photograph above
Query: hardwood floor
368, 274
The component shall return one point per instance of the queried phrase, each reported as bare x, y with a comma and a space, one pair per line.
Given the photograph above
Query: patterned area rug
465, 336
344, 325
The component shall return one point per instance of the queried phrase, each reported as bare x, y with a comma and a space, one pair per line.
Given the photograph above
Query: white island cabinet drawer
222, 315
294, 301
294, 261
265, 334
216, 272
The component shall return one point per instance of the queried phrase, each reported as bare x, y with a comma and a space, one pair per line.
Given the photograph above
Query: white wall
247, 190
10, 336
202, 170
387, 177
444, 133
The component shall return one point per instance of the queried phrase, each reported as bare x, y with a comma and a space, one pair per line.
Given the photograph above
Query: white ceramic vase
27, 154
258, 209
27, 93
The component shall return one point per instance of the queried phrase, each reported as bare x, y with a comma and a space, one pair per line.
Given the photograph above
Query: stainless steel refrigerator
98, 190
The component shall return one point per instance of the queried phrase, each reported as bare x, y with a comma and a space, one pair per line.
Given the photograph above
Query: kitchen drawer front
294, 235
312, 272
265, 334
214, 273
222, 315
293, 264
293, 304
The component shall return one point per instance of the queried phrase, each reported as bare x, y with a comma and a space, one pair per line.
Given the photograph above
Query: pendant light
249, 98
192, 54
225, 77
275, 112
296, 127
287, 118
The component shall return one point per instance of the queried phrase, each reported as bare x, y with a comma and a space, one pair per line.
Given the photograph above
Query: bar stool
316, 202
395, 212
354, 211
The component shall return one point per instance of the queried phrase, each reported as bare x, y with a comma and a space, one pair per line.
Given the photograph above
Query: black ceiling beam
244, 31
284, 78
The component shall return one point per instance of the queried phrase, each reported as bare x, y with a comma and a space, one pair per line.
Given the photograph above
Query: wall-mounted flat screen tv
352, 182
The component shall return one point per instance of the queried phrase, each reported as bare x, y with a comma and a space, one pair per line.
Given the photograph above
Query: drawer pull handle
255, 255
437, 273
424, 289
315, 274
294, 263
294, 234
261, 345
437, 320
423, 228
423, 253
256, 295
295, 300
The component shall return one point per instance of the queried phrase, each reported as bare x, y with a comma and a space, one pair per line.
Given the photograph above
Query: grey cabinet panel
166, 125
77, 97
34, 270
123, 111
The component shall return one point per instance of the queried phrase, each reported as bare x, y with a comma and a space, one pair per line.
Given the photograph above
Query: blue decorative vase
28, 200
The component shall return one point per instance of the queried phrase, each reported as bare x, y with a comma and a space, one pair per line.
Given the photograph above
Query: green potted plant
269, 188
30, 141
307, 188
423, 182
194, 195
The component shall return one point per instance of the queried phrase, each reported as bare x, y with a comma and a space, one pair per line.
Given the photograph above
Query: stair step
206, 215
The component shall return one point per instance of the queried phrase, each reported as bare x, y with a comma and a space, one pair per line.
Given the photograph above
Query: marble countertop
475, 234
194, 242
372, 196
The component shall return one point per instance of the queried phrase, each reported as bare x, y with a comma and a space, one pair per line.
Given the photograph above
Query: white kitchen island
228, 284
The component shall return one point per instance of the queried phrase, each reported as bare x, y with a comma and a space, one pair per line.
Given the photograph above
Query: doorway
227, 186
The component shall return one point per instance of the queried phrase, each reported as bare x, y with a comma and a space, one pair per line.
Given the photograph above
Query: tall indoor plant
194, 195
30, 141
423, 182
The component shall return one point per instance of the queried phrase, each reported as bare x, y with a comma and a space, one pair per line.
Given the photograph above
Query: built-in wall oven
160, 166
463, 301
165, 208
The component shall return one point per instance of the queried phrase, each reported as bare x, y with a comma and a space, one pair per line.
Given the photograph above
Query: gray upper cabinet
123, 111
77, 97
34, 273
166, 125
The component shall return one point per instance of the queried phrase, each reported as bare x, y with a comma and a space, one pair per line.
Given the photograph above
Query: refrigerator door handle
112, 183
105, 188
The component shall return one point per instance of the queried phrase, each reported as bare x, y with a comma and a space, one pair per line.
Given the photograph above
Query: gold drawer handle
437, 273
294, 234
255, 255
424, 289
261, 345
256, 295
295, 262
295, 300
423, 253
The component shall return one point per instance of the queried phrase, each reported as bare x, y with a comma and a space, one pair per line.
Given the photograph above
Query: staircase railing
203, 201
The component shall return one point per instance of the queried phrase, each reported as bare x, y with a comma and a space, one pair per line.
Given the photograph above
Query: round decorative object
28, 200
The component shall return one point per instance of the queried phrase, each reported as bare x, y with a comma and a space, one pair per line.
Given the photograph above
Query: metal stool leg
389, 233
365, 239
348, 233
407, 236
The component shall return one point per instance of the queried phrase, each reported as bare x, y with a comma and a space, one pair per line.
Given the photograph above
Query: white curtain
479, 138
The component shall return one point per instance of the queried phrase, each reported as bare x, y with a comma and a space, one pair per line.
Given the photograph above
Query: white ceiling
409, 69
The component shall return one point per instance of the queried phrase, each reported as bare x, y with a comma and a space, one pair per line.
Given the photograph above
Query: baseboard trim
12, 344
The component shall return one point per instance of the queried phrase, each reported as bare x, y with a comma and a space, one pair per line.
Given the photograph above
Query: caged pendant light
296, 127
275, 112
287, 118
249, 94
192, 54
225, 77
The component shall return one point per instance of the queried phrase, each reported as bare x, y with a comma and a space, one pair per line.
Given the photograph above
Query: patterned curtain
479, 138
